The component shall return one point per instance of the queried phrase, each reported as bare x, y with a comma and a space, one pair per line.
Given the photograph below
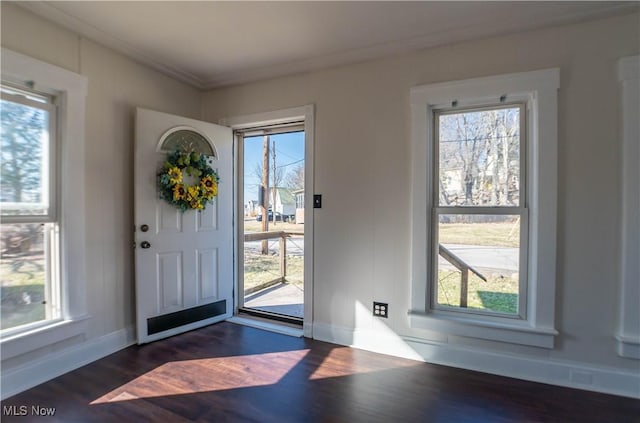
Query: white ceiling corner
48, 10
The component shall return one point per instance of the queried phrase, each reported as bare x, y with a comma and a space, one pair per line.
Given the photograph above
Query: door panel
184, 279
168, 219
207, 220
208, 274
169, 281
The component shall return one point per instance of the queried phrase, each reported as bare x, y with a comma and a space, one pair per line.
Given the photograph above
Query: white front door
184, 260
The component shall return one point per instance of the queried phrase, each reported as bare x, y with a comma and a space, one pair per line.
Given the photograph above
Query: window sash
274, 129
522, 260
52, 287
28, 98
522, 174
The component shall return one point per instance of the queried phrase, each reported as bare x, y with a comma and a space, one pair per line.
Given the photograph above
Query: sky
289, 154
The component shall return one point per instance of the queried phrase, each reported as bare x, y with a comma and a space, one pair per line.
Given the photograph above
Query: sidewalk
283, 298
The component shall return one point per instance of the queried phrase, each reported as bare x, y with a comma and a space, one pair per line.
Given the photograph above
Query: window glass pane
479, 158
24, 159
185, 139
484, 250
24, 270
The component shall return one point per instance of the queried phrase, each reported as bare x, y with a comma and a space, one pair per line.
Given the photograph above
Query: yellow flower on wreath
209, 187
179, 192
193, 192
175, 175
196, 204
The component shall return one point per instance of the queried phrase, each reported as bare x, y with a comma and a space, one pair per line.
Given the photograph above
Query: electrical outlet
381, 309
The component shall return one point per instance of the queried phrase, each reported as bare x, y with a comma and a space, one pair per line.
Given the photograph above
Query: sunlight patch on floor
348, 361
206, 375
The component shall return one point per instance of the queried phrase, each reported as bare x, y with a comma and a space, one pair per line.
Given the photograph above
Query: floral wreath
173, 184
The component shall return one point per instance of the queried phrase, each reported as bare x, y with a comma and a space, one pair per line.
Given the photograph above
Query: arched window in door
187, 139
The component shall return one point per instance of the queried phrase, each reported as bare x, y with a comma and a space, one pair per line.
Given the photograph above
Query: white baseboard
28, 375
384, 342
555, 372
307, 329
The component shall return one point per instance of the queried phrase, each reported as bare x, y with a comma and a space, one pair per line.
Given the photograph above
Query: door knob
144, 228
145, 244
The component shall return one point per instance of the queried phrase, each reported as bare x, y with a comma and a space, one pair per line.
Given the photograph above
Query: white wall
116, 86
362, 234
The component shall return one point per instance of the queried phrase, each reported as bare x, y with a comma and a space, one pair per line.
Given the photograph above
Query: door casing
304, 114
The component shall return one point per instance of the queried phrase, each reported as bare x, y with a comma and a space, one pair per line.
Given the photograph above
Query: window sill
32, 340
513, 331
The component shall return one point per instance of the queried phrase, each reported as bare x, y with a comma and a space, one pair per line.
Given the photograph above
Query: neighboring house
299, 195
284, 203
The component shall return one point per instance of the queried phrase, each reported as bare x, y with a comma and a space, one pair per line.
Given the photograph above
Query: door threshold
270, 316
265, 324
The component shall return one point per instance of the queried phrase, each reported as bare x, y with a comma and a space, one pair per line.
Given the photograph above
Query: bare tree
479, 157
21, 149
280, 174
294, 179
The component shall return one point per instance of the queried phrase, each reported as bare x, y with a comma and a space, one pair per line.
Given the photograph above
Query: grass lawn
504, 234
498, 294
255, 226
259, 269
20, 314
22, 280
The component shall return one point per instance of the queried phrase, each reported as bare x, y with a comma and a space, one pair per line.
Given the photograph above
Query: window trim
538, 89
275, 119
70, 89
239, 136
628, 331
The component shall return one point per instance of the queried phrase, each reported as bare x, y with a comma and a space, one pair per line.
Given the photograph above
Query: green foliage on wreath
174, 188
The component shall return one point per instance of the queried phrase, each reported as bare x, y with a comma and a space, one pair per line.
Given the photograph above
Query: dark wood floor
232, 373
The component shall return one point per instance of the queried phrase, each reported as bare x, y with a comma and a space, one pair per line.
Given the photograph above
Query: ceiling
209, 44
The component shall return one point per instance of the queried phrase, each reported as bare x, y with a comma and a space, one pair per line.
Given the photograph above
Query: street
497, 259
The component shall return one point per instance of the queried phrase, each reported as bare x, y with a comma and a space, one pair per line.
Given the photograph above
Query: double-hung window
42, 205
479, 209
28, 180
484, 207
